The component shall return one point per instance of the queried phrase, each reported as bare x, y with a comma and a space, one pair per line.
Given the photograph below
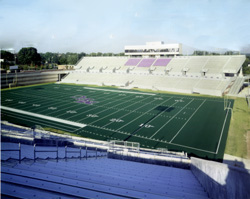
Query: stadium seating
96, 178
234, 65
161, 62
176, 65
195, 64
187, 74
132, 62
215, 64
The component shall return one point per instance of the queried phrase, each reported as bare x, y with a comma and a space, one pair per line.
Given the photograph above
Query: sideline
44, 117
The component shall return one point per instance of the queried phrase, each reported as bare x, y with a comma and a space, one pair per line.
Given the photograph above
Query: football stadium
125, 99
148, 116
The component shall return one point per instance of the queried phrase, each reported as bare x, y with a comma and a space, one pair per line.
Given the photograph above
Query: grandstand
127, 143
209, 75
47, 171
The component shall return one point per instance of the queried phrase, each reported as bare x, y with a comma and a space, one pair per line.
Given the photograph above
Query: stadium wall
24, 79
221, 181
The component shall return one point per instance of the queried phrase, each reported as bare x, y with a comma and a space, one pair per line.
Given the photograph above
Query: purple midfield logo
83, 99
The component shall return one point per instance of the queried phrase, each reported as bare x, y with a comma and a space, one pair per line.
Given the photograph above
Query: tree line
29, 58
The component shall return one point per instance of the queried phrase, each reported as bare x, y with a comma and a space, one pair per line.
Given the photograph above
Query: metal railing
19, 151
47, 151
75, 150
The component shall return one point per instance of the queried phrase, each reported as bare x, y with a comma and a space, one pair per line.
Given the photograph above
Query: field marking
44, 117
112, 130
130, 111
95, 107
192, 148
118, 91
144, 113
187, 121
171, 118
222, 129
47, 123
83, 107
146, 124
115, 111
117, 131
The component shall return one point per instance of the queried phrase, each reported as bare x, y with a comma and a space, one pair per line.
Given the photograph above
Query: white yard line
127, 134
104, 109
171, 119
187, 121
118, 91
222, 129
44, 117
114, 112
144, 113
86, 107
131, 111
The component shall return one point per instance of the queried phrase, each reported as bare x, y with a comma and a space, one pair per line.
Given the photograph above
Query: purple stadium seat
162, 62
146, 62
132, 62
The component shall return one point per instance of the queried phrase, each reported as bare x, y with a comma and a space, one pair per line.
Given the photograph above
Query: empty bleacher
176, 65
194, 66
234, 65
215, 64
187, 74
95, 178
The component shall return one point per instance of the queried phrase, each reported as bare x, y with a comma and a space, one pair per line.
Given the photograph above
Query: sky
108, 25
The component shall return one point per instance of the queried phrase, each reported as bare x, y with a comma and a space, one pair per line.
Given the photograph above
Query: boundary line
44, 117
222, 129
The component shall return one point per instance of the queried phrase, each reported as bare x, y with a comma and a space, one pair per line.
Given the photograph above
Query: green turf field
197, 125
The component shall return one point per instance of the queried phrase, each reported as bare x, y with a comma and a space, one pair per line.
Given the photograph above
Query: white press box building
154, 49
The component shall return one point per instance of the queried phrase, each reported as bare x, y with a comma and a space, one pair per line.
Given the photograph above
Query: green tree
29, 56
198, 52
82, 54
99, 54
9, 59
246, 68
229, 53
93, 54
72, 58
62, 59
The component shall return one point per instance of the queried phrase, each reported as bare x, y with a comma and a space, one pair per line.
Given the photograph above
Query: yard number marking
36, 105
52, 108
92, 115
146, 126
71, 111
116, 120
158, 98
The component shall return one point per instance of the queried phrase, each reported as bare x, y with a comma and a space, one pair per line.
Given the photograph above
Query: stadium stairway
234, 90
96, 178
